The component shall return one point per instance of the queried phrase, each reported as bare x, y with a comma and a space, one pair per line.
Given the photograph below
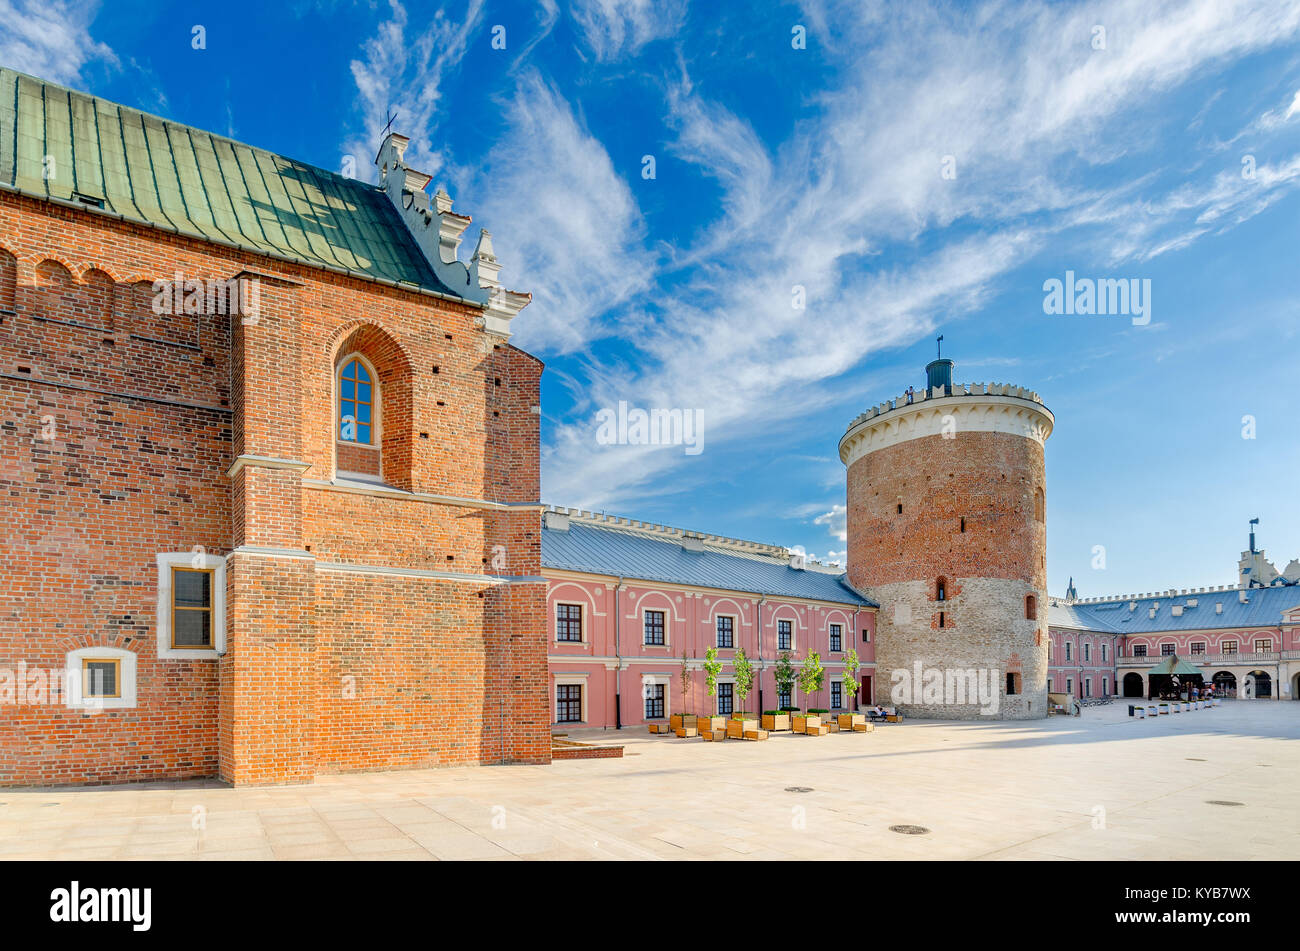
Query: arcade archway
1133, 685
1225, 683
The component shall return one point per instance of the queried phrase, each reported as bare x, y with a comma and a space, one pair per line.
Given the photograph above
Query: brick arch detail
395, 384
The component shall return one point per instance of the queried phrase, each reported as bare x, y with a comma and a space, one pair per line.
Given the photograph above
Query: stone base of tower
959, 671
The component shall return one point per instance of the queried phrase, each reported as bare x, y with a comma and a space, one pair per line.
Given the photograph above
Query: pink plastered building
626, 600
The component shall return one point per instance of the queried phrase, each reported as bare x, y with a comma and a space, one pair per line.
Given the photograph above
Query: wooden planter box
850, 721
756, 734
678, 720
832, 726
713, 735
894, 718
684, 731
776, 721
705, 724
820, 729
805, 723
736, 729
865, 726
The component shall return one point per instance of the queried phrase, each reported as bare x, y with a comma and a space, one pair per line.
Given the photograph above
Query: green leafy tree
744, 677
784, 675
812, 675
712, 667
686, 682
850, 688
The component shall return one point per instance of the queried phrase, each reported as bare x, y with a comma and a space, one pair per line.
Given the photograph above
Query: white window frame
794, 633
72, 695
668, 617
582, 623
829, 649
196, 561
569, 680
725, 679
660, 680
830, 693
735, 631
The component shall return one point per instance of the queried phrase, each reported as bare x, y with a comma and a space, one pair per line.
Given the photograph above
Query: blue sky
1131, 139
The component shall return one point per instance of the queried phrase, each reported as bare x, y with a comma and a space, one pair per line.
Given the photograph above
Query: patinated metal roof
57, 143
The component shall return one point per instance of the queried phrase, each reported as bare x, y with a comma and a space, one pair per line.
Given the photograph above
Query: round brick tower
947, 533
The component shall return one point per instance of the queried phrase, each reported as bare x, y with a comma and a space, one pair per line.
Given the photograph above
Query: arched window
941, 589
357, 403
1040, 506
1031, 607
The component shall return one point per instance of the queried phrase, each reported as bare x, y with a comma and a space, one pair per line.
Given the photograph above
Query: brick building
270, 464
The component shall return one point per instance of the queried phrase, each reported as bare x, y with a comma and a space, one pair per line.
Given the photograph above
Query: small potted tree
742, 722
783, 673
679, 720
708, 722
811, 677
851, 720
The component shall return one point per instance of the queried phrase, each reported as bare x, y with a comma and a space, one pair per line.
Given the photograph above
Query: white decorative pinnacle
438, 232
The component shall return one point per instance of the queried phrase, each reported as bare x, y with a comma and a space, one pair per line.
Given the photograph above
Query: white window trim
582, 625
668, 617
197, 561
794, 633
841, 626
126, 698
569, 680
735, 631
830, 693
663, 680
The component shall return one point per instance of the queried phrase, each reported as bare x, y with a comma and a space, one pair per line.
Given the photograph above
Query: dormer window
356, 403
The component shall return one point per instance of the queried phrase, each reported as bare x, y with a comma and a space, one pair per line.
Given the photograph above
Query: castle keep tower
947, 532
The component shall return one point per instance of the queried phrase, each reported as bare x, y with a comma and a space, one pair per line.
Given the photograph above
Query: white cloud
1026, 107
564, 222
613, 28
836, 522
405, 74
50, 39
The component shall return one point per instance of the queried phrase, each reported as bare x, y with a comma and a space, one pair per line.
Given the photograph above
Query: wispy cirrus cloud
863, 175
613, 28
403, 69
50, 38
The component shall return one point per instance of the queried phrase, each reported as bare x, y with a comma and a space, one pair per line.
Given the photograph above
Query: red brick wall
148, 414
987, 478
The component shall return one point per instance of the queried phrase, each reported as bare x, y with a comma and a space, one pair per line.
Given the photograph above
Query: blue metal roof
1263, 609
603, 551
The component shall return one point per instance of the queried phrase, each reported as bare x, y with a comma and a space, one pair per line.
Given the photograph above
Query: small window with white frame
837, 694
191, 605
100, 678
837, 637
784, 635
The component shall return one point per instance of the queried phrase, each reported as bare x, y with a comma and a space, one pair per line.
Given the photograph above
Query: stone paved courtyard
984, 790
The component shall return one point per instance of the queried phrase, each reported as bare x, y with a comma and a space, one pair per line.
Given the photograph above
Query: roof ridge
727, 544
49, 83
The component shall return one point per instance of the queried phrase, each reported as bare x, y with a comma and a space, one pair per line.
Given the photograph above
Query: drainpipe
758, 634
618, 657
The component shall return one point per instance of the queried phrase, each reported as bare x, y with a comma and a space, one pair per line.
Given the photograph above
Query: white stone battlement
925, 395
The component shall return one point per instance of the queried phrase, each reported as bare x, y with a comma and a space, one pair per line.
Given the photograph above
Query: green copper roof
62, 144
